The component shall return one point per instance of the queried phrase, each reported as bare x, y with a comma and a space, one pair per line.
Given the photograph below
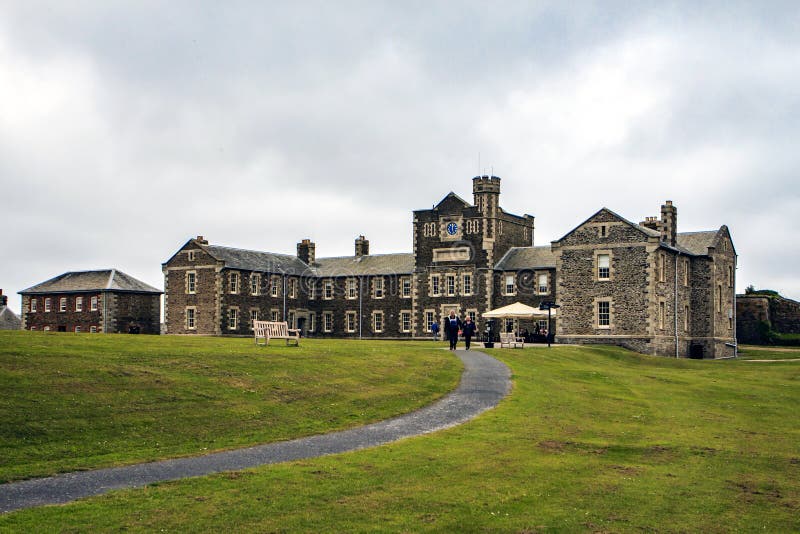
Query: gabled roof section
452, 203
253, 260
646, 231
520, 258
698, 243
9, 320
378, 264
84, 281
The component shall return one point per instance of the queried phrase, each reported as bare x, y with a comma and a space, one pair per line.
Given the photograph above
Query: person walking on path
452, 327
435, 330
469, 330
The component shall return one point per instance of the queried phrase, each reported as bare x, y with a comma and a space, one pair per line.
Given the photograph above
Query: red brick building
92, 301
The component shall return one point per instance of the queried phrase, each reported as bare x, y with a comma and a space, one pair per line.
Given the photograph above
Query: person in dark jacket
468, 331
451, 326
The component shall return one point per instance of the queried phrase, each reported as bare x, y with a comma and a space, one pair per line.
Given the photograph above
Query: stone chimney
652, 223
669, 223
306, 251
362, 246
200, 239
3, 299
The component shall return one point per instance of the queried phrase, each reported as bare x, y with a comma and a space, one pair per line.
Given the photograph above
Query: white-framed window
435, 289
405, 321
350, 321
93, 303
429, 320
46, 329
312, 323
405, 287
312, 289
466, 284
542, 325
543, 289
274, 316
352, 288
32, 328
327, 321
33, 305
233, 282
603, 314
473, 315
78, 304
662, 312
92, 329
450, 281
62, 304
275, 286
233, 318
292, 288
191, 282
191, 323
327, 289
47, 304
377, 321
253, 316
191, 255
603, 266
255, 284
77, 329
377, 287
510, 285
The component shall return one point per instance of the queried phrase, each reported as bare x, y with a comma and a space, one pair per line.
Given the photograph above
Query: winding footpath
484, 383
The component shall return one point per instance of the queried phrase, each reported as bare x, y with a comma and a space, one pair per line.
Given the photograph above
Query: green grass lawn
71, 402
591, 439
768, 352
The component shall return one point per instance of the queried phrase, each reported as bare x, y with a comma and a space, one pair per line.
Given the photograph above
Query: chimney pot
362, 246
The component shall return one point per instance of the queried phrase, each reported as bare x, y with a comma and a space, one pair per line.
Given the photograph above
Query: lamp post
549, 306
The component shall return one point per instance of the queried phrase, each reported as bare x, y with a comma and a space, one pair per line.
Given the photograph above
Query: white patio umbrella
517, 310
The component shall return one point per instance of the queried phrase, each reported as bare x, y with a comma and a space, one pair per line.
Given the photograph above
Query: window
255, 284
429, 321
510, 325
191, 282
466, 284
233, 282
542, 283
233, 318
686, 272
191, 255
78, 304
662, 261
603, 267
405, 288
291, 321
450, 279
352, 289
92, 329
405, 321
46, 328
542, 325
292, 288
350, 321
719, 298
603, 314
730, 276
509, 285
77, 329
190, 319
311, 323
33, 305
327, 318
93, 303
473, 315
312, 290
47, 304
377, 321
686, 318
603, 230
327, 289
274, 316
253, 318
378, 287
661, 315
435, 285
62, 304
275, 286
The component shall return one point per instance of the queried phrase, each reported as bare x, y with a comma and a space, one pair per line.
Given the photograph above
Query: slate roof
697, 243
9, 319
82, 281
518, 258
400, 263
253, 260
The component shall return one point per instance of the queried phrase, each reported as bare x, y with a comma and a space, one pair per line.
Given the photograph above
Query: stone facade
644, 286
8, 319
755, 313
106, 301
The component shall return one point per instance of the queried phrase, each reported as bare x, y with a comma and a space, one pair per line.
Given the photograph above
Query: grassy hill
591, 439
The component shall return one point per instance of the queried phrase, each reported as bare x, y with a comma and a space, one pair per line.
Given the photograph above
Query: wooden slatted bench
267, 330
511, 341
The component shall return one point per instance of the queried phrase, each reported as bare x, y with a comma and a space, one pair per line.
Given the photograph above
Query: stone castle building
644, 286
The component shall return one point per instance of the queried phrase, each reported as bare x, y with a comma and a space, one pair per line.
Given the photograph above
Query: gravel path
484, 383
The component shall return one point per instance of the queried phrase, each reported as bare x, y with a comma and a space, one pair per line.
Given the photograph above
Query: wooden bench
509, 340
267, 330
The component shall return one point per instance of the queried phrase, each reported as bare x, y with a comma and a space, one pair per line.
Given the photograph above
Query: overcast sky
127, 128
